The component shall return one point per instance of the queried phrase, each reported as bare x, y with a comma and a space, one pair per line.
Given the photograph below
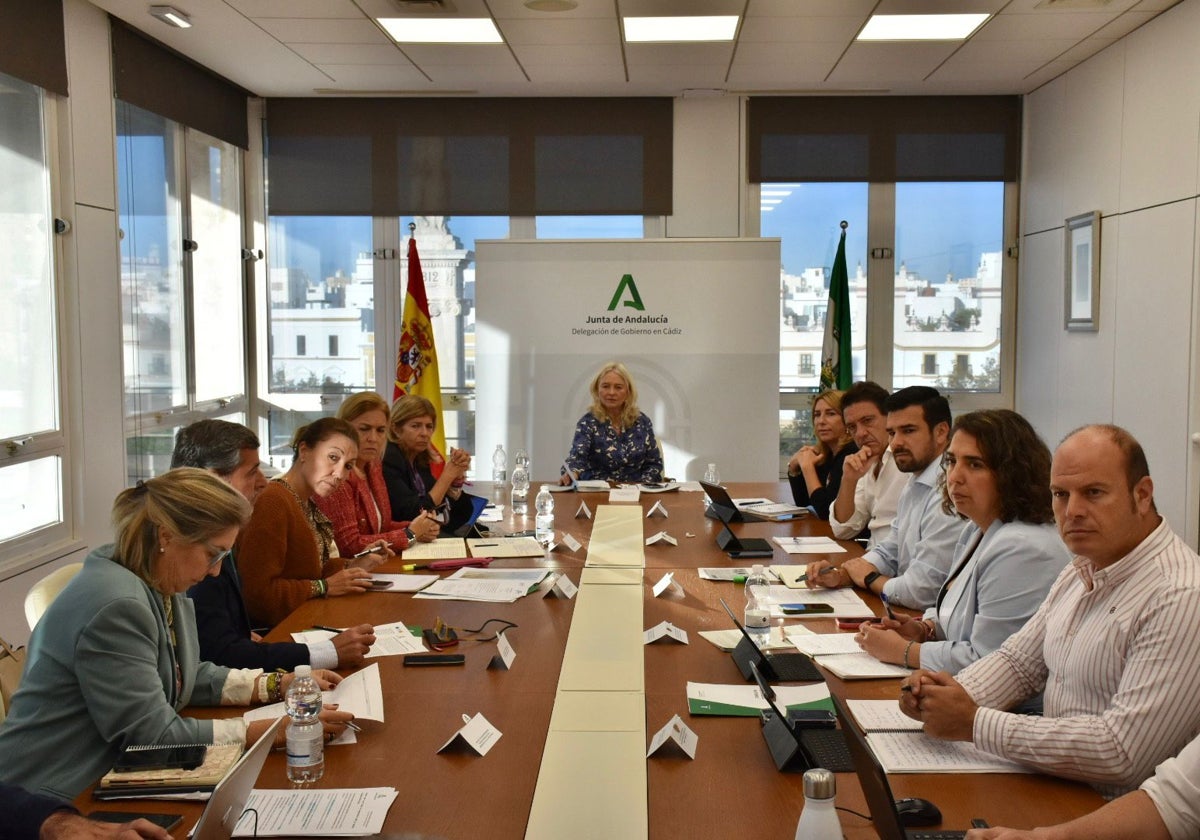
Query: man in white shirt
1113, 646
871, 484
910, 566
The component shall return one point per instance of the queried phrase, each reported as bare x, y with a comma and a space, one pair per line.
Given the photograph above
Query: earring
162, 549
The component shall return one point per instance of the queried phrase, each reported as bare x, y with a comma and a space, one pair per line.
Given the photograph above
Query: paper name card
477, 735
664, 583
657, 509
661, 536
624, 494
665, 630
563, 588
679, 732
584, 511
570, 542
505, 654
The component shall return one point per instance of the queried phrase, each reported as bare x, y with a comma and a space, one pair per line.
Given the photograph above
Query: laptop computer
878, 792
760, 510
776, 667
472, 528
229, 797
796, 747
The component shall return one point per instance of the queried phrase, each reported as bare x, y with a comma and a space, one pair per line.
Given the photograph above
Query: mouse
917, 812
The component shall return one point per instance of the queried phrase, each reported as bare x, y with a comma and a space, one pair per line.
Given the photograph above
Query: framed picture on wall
1081, 272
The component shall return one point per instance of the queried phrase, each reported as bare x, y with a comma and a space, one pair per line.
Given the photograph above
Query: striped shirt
1116, 651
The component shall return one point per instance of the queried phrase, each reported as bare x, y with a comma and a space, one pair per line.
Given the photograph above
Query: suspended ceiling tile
1030, 52
296, 8
312, 31
665, 55
572, 31
800, 29
872, 62
373, 55
358, 77
476, 58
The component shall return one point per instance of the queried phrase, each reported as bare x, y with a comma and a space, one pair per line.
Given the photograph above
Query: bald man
1113, 645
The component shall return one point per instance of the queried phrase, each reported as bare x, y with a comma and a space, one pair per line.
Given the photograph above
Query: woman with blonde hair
287, 553
116, 656
815, 472
360, 510
418, 478
614, 440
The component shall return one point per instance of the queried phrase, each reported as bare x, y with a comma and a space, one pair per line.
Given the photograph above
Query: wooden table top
465, 796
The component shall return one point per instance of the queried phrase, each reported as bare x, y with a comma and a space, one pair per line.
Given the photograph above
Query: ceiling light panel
921, 27
413, 30
680, 29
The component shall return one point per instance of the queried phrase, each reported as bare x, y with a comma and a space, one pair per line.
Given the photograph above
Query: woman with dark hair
997, 475
815, 472
417, 477
287, 551
614, 441
115, 658
360, 509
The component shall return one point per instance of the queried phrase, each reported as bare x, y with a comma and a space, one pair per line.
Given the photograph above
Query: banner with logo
696, 321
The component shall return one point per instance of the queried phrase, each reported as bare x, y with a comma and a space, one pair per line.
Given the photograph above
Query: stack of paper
845, 602
747, 700
390, 639
501, 586
809, 545
505, 547
353, 812
916, 752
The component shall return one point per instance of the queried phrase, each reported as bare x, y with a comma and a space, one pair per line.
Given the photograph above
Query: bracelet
320, 588
275, 686
907, 648
260, 684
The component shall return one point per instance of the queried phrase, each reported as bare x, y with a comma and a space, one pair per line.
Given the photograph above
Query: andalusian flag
836, 368
416, 362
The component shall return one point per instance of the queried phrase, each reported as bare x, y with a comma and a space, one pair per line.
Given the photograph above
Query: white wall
1120, 134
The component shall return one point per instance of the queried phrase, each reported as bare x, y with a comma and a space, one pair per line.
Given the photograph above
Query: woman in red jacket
359, 509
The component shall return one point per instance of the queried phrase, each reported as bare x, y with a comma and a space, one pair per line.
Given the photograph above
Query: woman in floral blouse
614, 440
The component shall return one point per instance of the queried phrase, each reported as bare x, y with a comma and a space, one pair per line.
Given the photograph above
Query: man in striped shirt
1114, 645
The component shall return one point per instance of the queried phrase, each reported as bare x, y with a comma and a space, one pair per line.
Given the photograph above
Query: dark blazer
406, 502
224, 627
22, 813
830, 474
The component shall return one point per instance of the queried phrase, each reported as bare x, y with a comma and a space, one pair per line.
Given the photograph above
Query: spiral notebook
217, 761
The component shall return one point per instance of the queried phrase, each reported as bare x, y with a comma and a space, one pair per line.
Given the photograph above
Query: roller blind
154, 77
481, 156
884, 139
32, 44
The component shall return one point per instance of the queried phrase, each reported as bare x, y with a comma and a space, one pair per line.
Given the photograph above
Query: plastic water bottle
520, 489
305, 733
818, 820
544, 524
757, 618
499, 464
711, 476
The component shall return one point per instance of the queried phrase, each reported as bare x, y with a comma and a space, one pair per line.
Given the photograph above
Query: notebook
877, 791
216, 762
777, 667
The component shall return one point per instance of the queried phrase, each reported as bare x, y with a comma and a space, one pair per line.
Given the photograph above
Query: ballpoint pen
887, 607
824, 571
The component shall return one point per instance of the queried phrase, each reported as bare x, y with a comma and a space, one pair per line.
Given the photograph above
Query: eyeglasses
218, 554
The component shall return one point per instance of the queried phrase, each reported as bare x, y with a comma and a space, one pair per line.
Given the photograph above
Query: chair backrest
43, 593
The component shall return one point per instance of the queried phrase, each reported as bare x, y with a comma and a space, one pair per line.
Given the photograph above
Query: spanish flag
416, 361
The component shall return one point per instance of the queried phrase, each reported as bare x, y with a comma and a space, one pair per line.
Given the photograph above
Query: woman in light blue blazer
116, 655
997, 475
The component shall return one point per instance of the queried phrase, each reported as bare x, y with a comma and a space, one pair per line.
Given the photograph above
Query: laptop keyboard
829, 750
793, 667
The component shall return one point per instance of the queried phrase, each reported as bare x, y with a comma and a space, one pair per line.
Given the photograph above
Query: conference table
732, 781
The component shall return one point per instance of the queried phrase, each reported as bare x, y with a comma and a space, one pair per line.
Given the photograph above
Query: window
333, 345
806, 364
929, 365
180, 210
33, 450
301, 345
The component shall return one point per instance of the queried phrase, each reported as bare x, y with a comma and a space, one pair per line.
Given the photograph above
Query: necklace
318, 523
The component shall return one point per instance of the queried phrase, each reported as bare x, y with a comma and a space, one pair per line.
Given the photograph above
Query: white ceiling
334, 47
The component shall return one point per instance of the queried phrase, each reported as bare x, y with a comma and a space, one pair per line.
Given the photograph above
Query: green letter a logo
635, 300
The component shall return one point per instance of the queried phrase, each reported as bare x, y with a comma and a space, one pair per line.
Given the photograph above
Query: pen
326, 629
352, 725
887, 606
824, 571
484, 545
906, 688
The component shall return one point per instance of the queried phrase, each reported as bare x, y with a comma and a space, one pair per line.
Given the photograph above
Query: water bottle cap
303, 671
819, 783
546, 487
712, 466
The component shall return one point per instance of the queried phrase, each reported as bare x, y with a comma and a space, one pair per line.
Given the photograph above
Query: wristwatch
410, 536
869, 579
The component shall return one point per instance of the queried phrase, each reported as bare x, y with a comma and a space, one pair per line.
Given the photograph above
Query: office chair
42, 594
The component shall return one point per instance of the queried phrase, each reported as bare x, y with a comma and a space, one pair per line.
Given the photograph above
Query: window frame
57, 539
